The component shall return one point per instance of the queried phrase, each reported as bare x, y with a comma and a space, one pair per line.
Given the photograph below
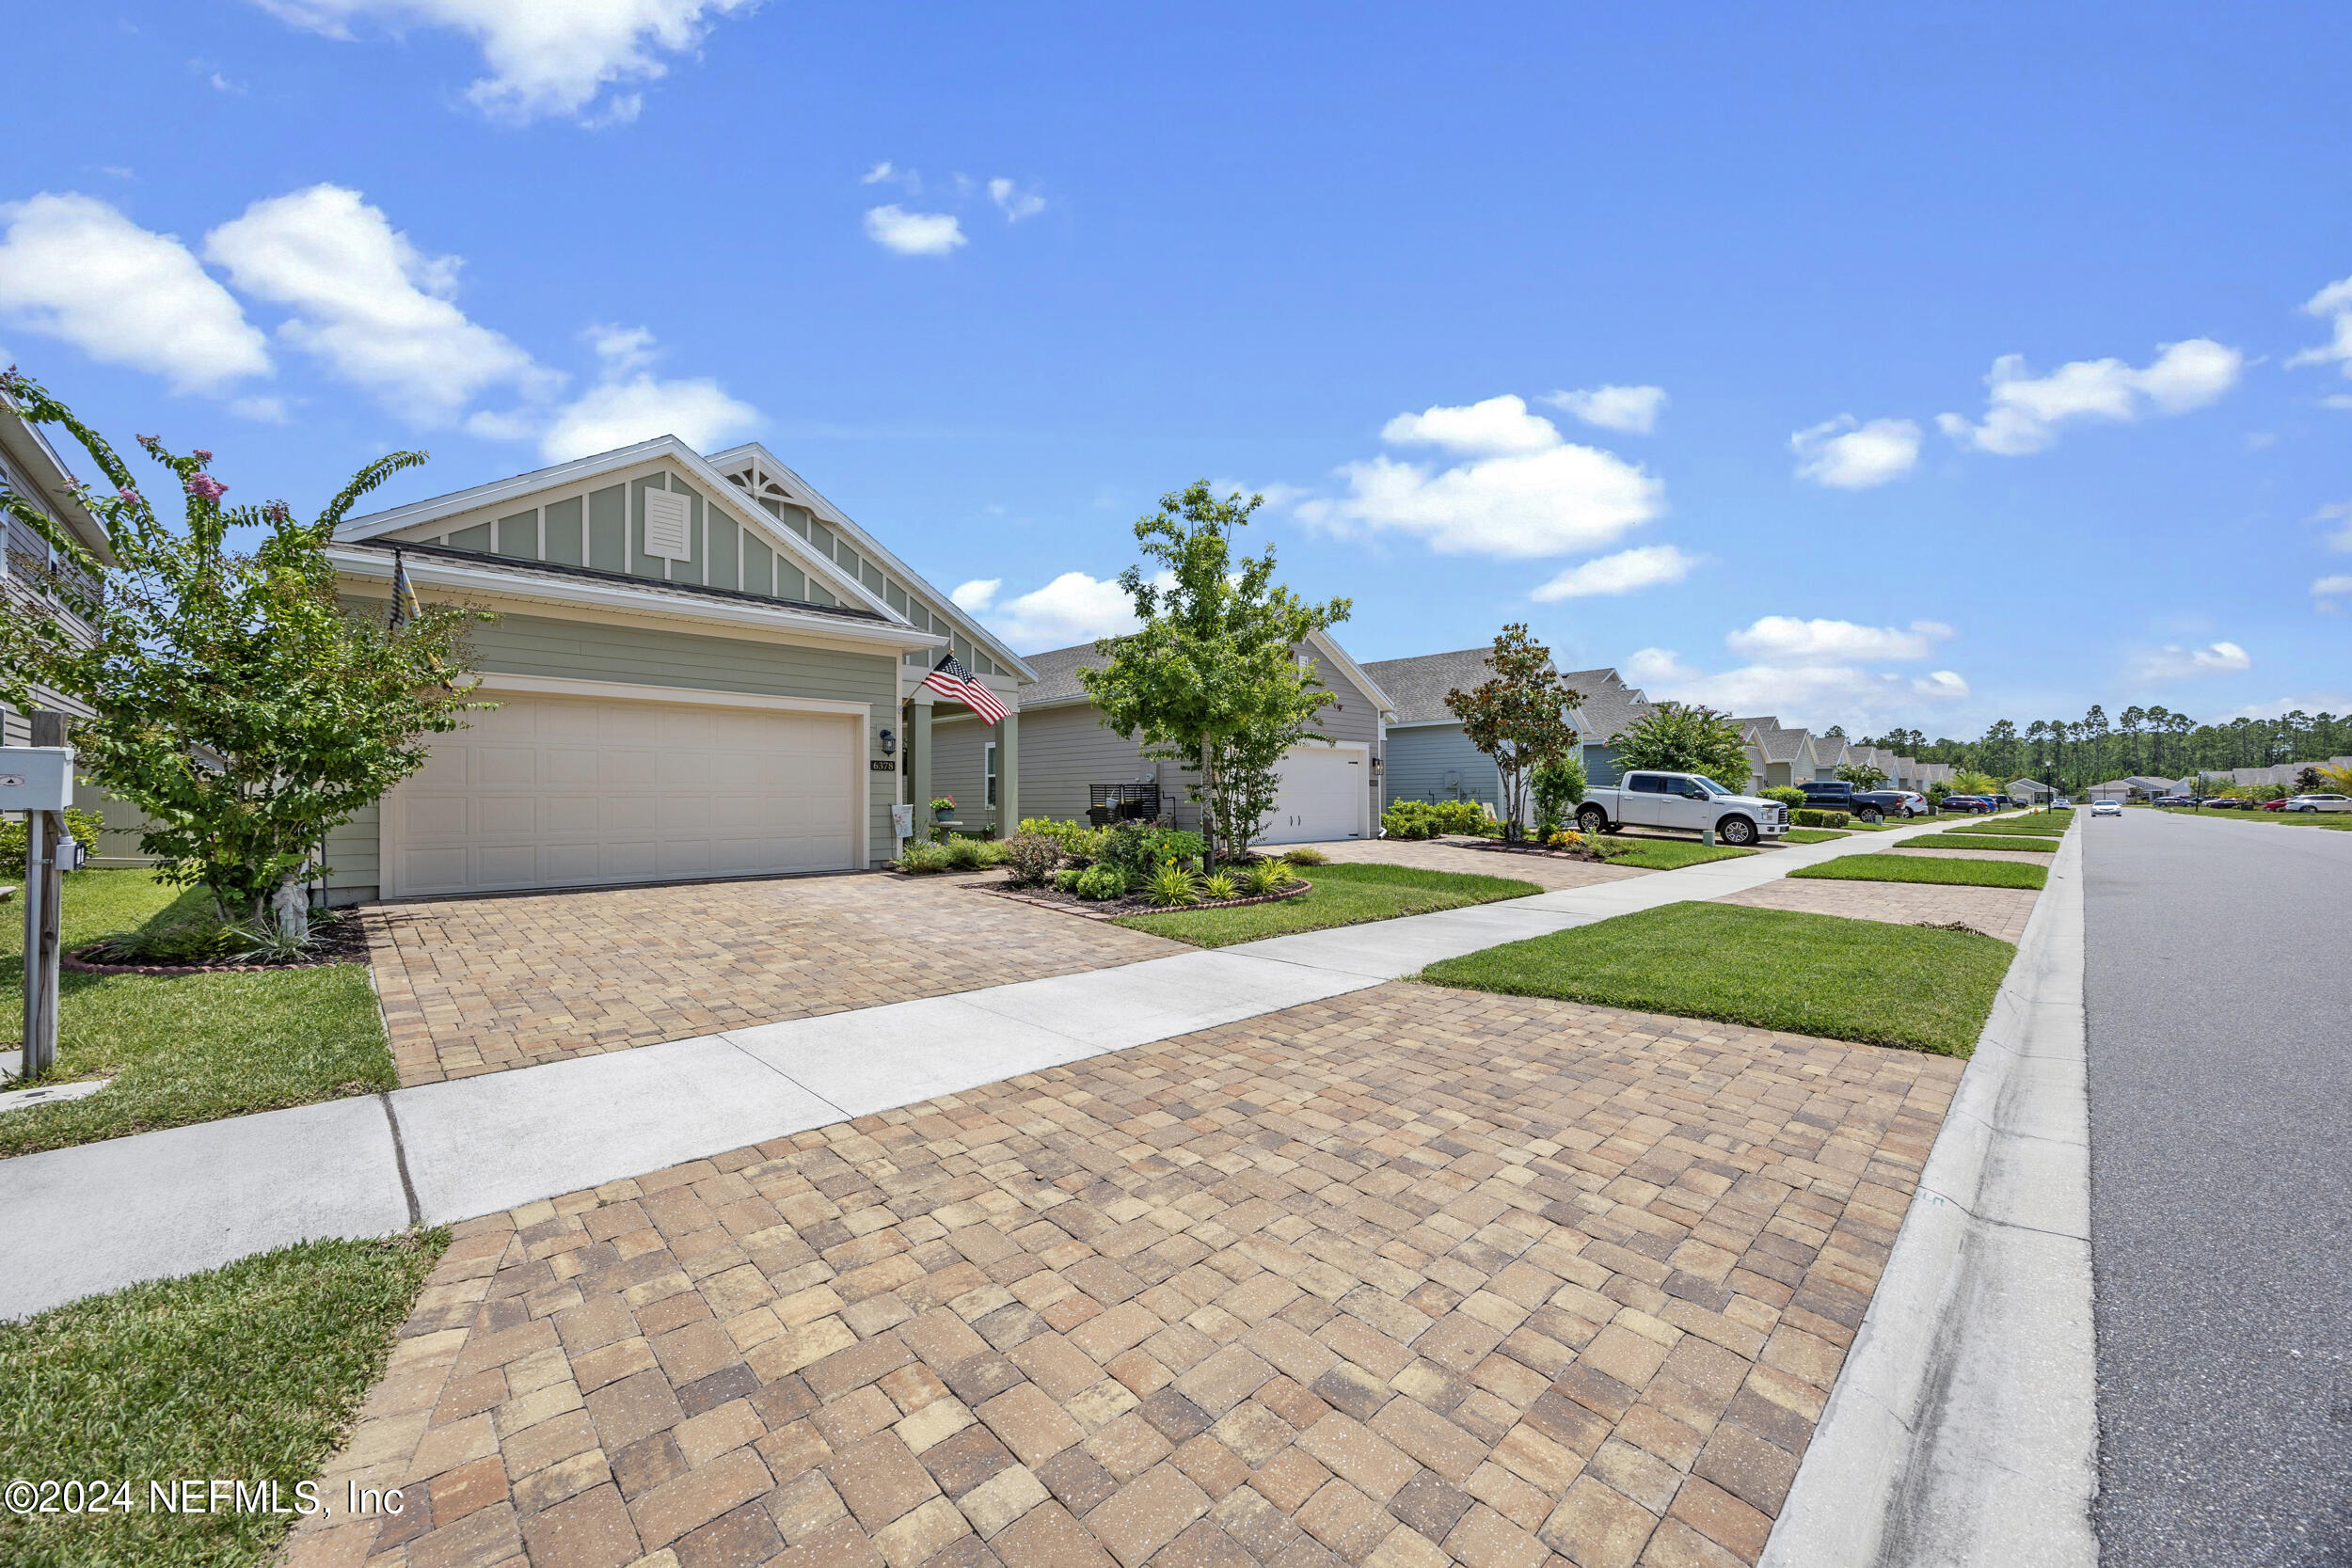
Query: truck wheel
1871, 814
1590, 820
1736, 830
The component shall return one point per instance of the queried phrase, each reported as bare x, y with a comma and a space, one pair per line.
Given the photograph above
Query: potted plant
943, 808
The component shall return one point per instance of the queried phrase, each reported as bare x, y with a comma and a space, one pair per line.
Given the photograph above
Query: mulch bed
1133, 903
1501, 848
339, 942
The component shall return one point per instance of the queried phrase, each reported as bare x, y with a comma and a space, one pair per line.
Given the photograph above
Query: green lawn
1812, 835
1344, 895
1817, 974
188, 1048
1665, 854
251, 1372
2013, 827
1926, 868
2341, 821
2032, 845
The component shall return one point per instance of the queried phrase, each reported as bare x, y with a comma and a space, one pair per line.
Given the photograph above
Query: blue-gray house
1429, 758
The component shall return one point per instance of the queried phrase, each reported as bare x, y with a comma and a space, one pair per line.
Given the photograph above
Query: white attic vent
669, 525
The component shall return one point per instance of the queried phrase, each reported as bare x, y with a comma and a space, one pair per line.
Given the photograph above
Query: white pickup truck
1691, 802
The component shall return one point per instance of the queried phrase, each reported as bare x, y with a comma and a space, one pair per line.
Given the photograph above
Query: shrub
1565, 839
965, 855
1408, 819
1787, 794
1218, 886
1264, 877
1032, 858
1463, 817
1067, 877
1064, 833
1307, 855
1559, 787
81, 825
1818, 819
198, 939
1099, 882
923, 860
1135, 850
1171, 886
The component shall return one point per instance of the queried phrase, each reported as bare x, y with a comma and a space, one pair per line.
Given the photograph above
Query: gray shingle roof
1781, 745
1057, 674
1418, 688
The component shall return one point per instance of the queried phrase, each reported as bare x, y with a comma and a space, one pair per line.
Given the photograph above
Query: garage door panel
1322, 795
547, 791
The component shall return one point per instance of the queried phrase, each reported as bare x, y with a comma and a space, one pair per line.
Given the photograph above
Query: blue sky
994, 278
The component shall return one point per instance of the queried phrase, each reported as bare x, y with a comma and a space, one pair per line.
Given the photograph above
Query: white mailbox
35, 778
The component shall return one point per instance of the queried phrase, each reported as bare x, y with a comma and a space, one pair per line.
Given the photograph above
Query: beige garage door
574, 792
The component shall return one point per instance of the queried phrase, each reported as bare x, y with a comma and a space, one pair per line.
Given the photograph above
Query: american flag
951, 679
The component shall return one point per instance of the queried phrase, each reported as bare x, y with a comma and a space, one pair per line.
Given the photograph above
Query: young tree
1210, 680
1519, 716
1680, 737
1862, 775
236, 703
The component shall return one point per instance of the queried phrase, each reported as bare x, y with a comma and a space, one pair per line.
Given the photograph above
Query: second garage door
1324, 795
578, 792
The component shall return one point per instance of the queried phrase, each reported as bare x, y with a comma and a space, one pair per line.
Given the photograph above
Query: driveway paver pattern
1413, 1276
479, 985
1997, 911
1436, 855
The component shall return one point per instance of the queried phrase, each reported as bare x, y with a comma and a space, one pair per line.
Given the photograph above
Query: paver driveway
479, 985
1410, 1277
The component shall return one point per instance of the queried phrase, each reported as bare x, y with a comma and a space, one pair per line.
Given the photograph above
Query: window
988, 766
1649, 783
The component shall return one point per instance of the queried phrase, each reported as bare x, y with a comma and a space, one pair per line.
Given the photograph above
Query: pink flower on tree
203, 456
275, 512
205, 487
132, 495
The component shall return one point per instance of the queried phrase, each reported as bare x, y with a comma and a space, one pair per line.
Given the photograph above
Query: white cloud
2326, 591
880, 172
630, 403
2333, 304
2023, 412
1786, 639
1631, 409
1520, 491
75, 268
1941, 685
367, 304
2279, 708
2176, 663
1846, 455
1648, 666
1073, 607
1626, 572
570, 57
894, 227
1014, 203
2341, 514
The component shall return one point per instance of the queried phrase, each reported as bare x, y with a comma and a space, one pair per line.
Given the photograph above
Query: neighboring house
31, 471
1779, 757
2136, 786
2027, 792
703, 669
1830, 754
1331, 788
1430, 758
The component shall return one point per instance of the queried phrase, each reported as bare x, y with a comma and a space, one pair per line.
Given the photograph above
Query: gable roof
31, 457
1783, 745
1057, 673
1417, 689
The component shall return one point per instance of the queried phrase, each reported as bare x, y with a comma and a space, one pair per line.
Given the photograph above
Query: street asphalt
2219, 984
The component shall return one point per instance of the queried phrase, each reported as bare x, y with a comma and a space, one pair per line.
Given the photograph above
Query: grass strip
247, 1372
1811, 835
185, 1048
2026, 827
1911, 986
1344, 895
2027, 845
1666, 854
1926, 868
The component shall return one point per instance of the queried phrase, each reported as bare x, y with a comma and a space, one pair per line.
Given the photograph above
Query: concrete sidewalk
159, 1204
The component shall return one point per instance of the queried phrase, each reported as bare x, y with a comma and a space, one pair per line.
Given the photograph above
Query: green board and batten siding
643, 655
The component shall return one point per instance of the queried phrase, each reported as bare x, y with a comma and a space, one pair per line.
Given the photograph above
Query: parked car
1864, 805
2222, 802
1691, 802
1968, 803
2176, 800
2279, 804
2320, 802
1914, 803
2107, 808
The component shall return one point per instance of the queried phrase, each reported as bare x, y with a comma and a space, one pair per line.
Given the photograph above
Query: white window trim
859, 715
988, 774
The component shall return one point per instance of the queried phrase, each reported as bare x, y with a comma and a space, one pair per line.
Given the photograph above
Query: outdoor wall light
889, 743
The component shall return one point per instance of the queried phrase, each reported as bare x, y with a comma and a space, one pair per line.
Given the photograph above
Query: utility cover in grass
1920, 987
248, 1372
1940, 869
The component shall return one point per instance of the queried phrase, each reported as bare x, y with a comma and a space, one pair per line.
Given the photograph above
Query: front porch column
919, 760
1008, 775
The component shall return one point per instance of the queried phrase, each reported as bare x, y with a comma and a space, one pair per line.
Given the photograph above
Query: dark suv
1863, 805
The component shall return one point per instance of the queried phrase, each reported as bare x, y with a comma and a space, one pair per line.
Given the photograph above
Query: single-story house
1430, 758
1331, 788
2136, 786
702, 669
1779, 757
2028, 792
1830, 754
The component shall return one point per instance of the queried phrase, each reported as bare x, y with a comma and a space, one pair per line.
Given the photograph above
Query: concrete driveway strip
108, 1214
2220, 1019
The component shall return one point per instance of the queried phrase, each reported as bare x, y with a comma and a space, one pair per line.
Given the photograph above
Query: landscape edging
1964, 1428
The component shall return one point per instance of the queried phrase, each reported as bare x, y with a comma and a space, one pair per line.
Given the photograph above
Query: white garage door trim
859, 715
1361, 751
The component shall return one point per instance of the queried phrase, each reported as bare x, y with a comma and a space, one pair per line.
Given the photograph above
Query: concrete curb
1964, 1429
